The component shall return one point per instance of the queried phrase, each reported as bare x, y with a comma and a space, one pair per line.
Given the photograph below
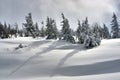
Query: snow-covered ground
58, 60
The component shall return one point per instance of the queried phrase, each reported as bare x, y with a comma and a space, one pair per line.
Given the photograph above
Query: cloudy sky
100, 11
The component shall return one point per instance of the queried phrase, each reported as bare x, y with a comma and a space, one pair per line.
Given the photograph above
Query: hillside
58, 60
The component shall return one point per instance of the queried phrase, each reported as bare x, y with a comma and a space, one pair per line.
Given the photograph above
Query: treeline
8, 31
89, 35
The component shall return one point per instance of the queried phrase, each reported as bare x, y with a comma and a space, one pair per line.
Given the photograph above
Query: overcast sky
100, 11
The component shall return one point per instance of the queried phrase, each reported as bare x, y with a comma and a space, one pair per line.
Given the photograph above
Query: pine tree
86, 26
6, 35
21, 33
16, 29
1, 30
51, 30
115, 27
12, 30
9, 30
42, 31
93, 38
55, 30
37, 31
96, 30
106, 34
66, 31
29, 26
84, 31
79, 32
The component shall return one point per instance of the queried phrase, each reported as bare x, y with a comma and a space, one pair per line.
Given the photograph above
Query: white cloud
95, 10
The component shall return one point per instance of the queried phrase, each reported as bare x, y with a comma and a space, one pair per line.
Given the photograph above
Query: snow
58, 60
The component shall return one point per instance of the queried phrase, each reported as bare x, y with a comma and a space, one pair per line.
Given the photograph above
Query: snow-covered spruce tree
115, 27
42, 31
106, 34
37, 31
84, 31
66, 31
10, 30
86, 34
21, 33
29, 26
79, 32
16, 29
73, 33
1, 30
93, 38
51, 30
55, 30
6, 35
86, 26
98, 33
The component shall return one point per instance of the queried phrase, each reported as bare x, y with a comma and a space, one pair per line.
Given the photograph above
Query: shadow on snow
90, 69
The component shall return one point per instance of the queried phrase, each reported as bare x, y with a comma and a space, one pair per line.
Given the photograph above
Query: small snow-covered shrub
20, 46
92, 41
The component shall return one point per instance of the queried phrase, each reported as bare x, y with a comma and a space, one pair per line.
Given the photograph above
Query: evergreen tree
37, 31
106, 34
79, 33
93, 38
97, 30
86, 26
16, 30
51, 30
9, 30
115, 27
84, 31
101, 31
12, 30
29, 26
6, 35
1, 30
21, 33
66, 31
42, 31
55, 30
